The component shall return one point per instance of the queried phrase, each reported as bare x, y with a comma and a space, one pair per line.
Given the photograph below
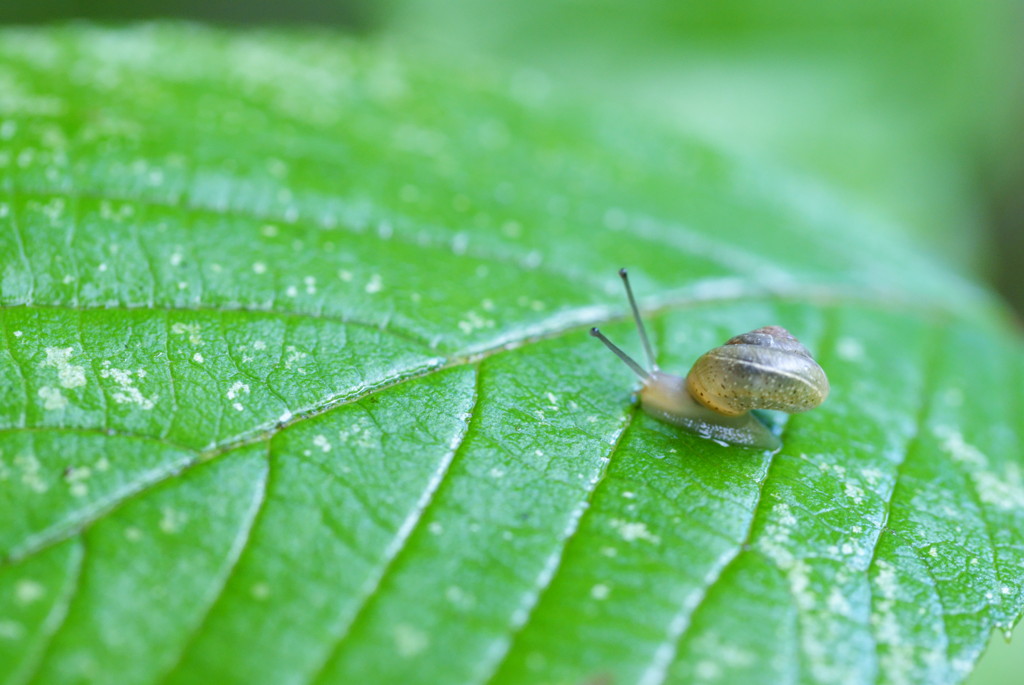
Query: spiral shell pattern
766, 368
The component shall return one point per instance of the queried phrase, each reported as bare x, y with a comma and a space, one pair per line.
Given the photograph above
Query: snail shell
766, 368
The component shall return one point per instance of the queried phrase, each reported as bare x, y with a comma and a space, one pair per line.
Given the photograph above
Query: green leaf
295, 386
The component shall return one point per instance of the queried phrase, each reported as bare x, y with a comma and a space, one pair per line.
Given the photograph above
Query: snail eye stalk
630, 362
648, 350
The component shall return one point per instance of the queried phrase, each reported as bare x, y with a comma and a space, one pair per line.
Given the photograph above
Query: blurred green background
912, 110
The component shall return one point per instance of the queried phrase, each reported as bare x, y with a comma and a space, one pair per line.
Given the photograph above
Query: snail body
766, 368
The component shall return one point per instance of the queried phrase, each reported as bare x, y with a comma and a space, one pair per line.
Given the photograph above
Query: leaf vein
398, 544
557, 563
238, 547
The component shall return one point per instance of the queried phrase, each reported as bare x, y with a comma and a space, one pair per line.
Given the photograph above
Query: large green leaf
296, 387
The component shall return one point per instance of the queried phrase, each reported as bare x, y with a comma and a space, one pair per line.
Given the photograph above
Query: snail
766, 368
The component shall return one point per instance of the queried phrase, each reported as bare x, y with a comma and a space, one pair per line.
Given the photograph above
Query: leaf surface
295, 386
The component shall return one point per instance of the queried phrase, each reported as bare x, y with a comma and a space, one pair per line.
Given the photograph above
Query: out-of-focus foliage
354, 15
1002, 663
908, 105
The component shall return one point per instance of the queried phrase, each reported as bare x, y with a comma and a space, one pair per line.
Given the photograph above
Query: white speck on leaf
634, 530
850, 349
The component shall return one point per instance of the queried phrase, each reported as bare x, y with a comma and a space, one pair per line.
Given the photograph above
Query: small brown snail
766, 368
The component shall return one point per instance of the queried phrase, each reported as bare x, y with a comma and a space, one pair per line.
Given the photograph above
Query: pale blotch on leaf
193, 331
126, 392
459, 597
27, 591
634, 530
293, 355
473, 322
724, 655
600, 592
898, 656
30, 469
76, 477
775, 540
11, 630
235, 393
52, 398
70, 375
321, 442
409, 640
837, 603
172, 520
1004, 491
953, 443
